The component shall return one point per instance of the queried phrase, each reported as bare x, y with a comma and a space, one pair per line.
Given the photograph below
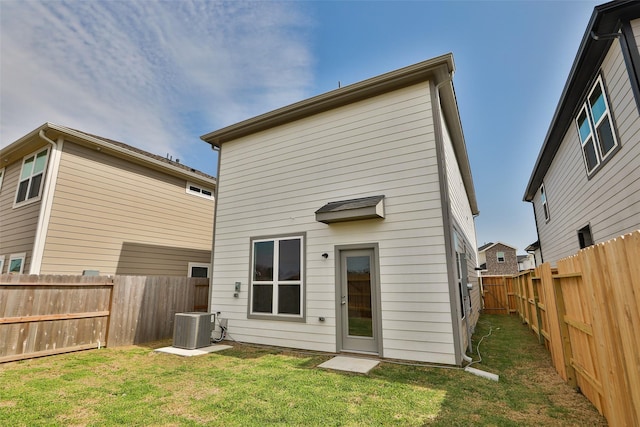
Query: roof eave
439, 68
605, 19
67, 132
452, 116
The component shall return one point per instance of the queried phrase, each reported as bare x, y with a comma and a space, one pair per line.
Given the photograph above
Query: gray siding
610, 200
272, 182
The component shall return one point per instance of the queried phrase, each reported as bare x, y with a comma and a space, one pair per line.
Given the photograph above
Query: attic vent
351, 210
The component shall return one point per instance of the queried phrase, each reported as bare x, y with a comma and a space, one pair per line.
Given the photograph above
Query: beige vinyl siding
117, 217
610, 200
17, 225
272, 182
460, 210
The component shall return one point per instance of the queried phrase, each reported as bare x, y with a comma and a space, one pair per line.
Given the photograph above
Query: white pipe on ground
483, 374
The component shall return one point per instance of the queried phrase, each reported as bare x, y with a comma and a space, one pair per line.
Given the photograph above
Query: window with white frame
198, 269
1, 264
500, 256
1, 176
16, 263
198, 190
595, 128
545, 205
32, 177
277, 273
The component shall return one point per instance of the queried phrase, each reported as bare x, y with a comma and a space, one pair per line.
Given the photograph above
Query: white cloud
153, 74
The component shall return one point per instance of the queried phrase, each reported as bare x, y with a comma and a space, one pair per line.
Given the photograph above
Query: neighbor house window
16, 263
1, 263
545, 206
1, 176
277, 273
595, 127
198, 190
500, 256
584, 237
198, 269
32, 177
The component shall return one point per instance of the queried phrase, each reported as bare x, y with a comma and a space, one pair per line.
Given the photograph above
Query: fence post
564, 332
536, 300
506, 294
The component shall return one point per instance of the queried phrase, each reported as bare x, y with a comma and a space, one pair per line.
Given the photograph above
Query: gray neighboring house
585, 185
497, 259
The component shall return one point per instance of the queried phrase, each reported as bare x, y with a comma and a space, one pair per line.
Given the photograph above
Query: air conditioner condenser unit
192, 330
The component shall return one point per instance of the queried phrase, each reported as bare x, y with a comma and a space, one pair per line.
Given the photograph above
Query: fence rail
46, 315
586, 313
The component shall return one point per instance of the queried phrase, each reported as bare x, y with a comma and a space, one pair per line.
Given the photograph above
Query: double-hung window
277, 277
595, 127
32, 177
545, 205
500, 256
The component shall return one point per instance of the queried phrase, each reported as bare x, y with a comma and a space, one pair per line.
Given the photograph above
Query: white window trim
498, 256
28, 201
1, 177
200, 191
13, 257
201, 265
593, 136
274, 315
1, 263
545, 204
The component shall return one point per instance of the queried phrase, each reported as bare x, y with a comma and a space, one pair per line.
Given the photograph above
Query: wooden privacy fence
497, 294
587, 313
44, 315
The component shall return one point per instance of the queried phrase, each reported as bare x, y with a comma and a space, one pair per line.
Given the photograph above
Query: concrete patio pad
195, 352
350, 364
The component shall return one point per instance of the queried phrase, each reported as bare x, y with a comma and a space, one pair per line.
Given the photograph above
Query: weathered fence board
45, 315
145, 306
52, 314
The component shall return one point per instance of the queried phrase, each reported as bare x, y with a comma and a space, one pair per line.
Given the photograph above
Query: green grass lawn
250, 386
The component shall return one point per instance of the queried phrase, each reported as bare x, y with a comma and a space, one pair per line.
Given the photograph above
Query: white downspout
46, 202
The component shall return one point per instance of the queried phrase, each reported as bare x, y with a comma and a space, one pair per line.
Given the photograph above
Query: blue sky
158, 74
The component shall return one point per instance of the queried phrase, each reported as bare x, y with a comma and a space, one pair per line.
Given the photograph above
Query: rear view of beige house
345, 222
75, 203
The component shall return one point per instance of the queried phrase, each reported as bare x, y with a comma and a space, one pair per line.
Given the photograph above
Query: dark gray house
585, 185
